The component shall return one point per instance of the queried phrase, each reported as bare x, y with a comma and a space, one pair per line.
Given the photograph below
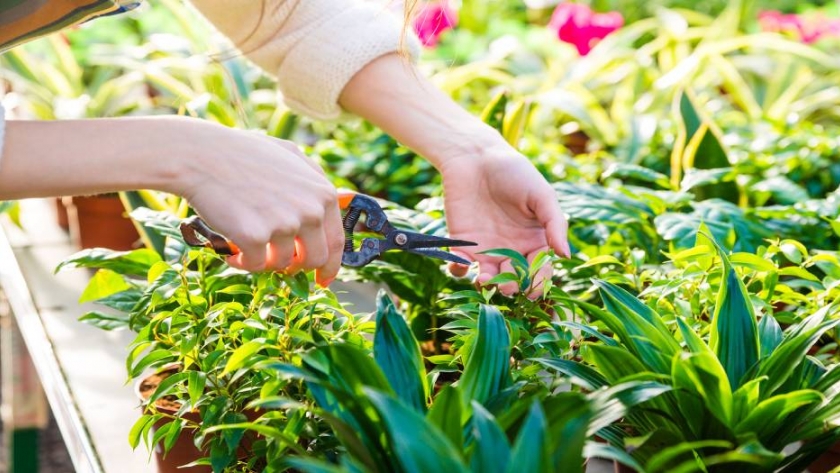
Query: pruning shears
197, 233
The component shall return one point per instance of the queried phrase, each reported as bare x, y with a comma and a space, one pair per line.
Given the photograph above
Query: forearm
75, 157
392, 94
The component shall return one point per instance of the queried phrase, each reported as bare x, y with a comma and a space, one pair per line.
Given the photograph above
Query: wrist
476, 143
181, 154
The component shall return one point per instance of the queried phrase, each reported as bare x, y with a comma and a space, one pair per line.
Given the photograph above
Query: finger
252, 258
508, 288
551, 217
459, 270
312, 249
281, 252
488, 268
334, 232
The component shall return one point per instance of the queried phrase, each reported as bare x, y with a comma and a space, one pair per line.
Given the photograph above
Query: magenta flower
432, 20
578, 25
807, 29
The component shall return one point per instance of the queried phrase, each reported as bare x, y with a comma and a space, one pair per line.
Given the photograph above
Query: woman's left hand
499, 200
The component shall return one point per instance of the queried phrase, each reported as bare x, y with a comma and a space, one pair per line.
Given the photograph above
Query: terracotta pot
61, 217
184, 451
100, 221
828, 461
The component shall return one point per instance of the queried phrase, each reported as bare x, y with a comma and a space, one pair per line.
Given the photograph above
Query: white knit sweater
312, 47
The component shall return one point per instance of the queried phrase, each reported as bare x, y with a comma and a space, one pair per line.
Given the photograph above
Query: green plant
389, 419
743, 390
215, 324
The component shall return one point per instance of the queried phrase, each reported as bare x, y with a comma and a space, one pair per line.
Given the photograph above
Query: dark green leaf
491, 451
487, 371
446, 413
530, 449
398, 354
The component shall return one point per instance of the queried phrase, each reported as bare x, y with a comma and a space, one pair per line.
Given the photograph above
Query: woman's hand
268, 198
499, 200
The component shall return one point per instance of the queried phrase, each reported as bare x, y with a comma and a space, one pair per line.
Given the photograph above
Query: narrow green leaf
195, 386
140, 426
578, 373
734, 334
491, 450
770, 335
418, 445
157, 357
770, 417
446, 413
242, 354
398, 354
530, 448
487, 371
167, 386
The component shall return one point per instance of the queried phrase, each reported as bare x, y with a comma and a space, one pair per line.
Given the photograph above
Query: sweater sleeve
313, 47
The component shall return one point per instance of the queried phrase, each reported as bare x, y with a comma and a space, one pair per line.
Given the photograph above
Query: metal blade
420, 240
444, 255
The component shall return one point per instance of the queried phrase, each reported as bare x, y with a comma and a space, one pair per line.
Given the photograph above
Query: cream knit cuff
318, 68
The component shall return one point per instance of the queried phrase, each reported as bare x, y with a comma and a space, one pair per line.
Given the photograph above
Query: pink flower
807, 29
432, 20
578, 25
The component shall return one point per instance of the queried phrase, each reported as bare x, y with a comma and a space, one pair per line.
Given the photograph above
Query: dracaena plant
743, 388
213, 323
392, 416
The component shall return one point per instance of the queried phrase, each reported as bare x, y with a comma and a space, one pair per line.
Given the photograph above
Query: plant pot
61, 217
184, 451
828, 461
100, 221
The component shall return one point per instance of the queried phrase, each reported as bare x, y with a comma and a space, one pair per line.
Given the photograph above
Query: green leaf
418, 445
601, 259
734, 333
242, 355
106, 321
157, 357
529, 451
167, 386
195, 386
103, 284
609, 452
446, 414
770, 335
502, 278
578, 373
702, 375
491, 448
771, 416
141, 428
398, 354
134, 263
664, 459
487, 370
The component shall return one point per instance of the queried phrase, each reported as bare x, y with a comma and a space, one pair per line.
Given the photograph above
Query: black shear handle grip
197, 233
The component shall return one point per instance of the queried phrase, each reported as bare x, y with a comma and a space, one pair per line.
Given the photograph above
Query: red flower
432, 20
578, 25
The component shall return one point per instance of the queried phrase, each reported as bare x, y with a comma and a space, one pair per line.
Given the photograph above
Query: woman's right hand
268, 198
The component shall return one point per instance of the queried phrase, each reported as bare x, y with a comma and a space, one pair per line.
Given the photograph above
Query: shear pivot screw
401, 239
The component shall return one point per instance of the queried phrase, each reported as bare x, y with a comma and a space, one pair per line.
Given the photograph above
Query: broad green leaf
578, 373
770, 417
398, 354
487, 370
141, 428
104, 283
446, 413
770, 335
568, 416
779, 365
641, 329
693, 341
702, 374
734, 333
616, 363
491, 450
242, 355
417, 445
135, 263
663, 460
531, 445
167, 386
195, 386
609, 452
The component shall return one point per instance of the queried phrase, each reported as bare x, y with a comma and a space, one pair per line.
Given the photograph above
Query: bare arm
261, 192
493, 194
